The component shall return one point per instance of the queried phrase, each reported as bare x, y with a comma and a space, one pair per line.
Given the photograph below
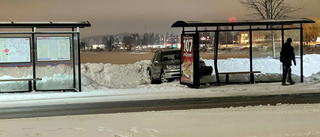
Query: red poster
187, 71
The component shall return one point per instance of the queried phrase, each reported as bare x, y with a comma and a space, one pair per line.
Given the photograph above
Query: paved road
155, 105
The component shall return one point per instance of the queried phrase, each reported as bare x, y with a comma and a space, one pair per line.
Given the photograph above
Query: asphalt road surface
155, 105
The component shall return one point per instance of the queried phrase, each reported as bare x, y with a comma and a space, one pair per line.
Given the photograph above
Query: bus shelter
40, 56
248, 33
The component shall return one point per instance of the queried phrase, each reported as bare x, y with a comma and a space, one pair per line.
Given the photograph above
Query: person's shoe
284, 84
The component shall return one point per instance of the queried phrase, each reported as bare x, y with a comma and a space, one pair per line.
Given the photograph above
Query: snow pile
115, 76
98, 75
311, 64
313, 78
271, 69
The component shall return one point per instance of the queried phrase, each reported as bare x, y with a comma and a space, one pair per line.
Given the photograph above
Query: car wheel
163, 78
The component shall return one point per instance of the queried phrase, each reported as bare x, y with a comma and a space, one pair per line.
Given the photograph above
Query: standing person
286, 56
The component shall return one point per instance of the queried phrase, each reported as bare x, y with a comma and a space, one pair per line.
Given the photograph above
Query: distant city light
233, 19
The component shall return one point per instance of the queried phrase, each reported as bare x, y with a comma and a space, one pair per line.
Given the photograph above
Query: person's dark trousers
286, 72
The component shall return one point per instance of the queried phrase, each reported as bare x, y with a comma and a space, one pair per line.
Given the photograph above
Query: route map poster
14, 50
53, 48
187, 71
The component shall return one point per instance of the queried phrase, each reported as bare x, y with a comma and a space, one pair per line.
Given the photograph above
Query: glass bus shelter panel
206, 43
296, 25
77, 65
54, 29
241, 27
54, 62
206, 51
15, 62
234, 55
13, 30
259, 27
190, 29
266, 43
266, 53
294, 34
207, 28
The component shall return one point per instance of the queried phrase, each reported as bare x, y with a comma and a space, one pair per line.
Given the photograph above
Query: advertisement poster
53, 48
14, 50
187, 71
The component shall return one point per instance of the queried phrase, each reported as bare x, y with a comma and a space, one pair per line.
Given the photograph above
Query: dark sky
135, 16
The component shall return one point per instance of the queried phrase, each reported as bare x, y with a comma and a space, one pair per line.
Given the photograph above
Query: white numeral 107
188, 43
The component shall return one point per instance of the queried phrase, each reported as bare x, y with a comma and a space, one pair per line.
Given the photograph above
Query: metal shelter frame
268, 25
56, 28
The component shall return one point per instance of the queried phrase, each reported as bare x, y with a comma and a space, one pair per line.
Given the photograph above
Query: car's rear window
170, 56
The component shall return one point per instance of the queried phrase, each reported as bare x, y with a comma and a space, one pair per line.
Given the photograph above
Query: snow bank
115, 76
136, 76
98, 75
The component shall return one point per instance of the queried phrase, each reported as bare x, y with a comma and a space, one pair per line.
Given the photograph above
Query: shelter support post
79, 61
73, 61
301, 53
251, 68
282, 35
33, 50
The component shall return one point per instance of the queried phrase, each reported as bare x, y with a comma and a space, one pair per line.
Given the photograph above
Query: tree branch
269, 9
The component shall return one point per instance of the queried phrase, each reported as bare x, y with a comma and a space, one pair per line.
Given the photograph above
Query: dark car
165, 66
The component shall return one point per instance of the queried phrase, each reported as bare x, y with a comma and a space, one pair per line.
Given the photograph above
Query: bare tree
269, 9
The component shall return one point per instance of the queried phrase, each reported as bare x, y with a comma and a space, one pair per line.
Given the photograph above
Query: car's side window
154, 58
158, 57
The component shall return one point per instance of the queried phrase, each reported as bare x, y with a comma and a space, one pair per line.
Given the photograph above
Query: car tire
163, 78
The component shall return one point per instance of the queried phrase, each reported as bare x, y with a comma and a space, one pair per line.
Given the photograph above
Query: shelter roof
44, 24
240, 23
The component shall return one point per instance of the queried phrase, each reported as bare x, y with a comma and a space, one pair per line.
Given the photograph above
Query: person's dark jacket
287, 55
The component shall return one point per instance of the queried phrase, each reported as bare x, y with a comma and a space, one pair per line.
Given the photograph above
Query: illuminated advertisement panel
53, 48
14, 50
187, 56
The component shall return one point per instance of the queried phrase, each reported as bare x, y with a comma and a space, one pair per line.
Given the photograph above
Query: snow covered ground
282, 120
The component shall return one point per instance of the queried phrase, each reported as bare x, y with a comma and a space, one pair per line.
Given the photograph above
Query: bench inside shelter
241, 72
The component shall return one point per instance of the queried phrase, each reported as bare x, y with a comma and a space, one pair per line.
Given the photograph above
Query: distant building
98, 46
318, 40
243, 37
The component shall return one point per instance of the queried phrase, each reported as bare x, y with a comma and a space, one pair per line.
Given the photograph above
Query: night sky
135, 16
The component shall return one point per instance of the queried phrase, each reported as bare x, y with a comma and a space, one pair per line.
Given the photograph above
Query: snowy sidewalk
152, 92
